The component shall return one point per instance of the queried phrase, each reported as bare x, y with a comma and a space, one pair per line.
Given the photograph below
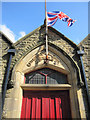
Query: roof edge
6, 37
28, 35
87, 37
53, 30
63, 36
9, 41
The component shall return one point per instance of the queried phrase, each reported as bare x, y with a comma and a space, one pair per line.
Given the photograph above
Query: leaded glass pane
40, 77
35, 78
56, 78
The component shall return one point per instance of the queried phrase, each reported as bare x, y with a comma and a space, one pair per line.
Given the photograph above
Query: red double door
45, 105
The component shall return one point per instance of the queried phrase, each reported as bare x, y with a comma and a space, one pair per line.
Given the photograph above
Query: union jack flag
52, 17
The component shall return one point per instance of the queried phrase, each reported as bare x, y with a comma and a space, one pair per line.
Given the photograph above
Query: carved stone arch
71, 61
57, 59
34, 60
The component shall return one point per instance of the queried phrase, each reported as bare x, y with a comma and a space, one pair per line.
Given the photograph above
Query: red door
45, 104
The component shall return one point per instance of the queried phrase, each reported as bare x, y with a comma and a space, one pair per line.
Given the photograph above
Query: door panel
23, 113
45, 107
58, 108
38, 108
52, 108
45, 104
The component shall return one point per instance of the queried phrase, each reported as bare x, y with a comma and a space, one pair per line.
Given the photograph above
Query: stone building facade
86, 58
30, 57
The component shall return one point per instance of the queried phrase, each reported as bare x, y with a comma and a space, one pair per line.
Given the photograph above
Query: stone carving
42, 56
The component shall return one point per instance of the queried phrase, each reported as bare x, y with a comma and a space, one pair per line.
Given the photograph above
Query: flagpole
46, 31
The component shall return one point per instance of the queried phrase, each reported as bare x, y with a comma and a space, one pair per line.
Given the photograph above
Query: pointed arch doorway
47, 99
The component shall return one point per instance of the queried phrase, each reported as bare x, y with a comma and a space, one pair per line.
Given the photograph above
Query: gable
37, 38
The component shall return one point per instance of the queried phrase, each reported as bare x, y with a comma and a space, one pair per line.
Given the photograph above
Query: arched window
46, 76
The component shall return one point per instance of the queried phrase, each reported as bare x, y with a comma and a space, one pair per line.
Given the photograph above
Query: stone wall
37, 37
86, 58
5, 44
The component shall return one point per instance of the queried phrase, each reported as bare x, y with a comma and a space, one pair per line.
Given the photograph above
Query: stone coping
45, 87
